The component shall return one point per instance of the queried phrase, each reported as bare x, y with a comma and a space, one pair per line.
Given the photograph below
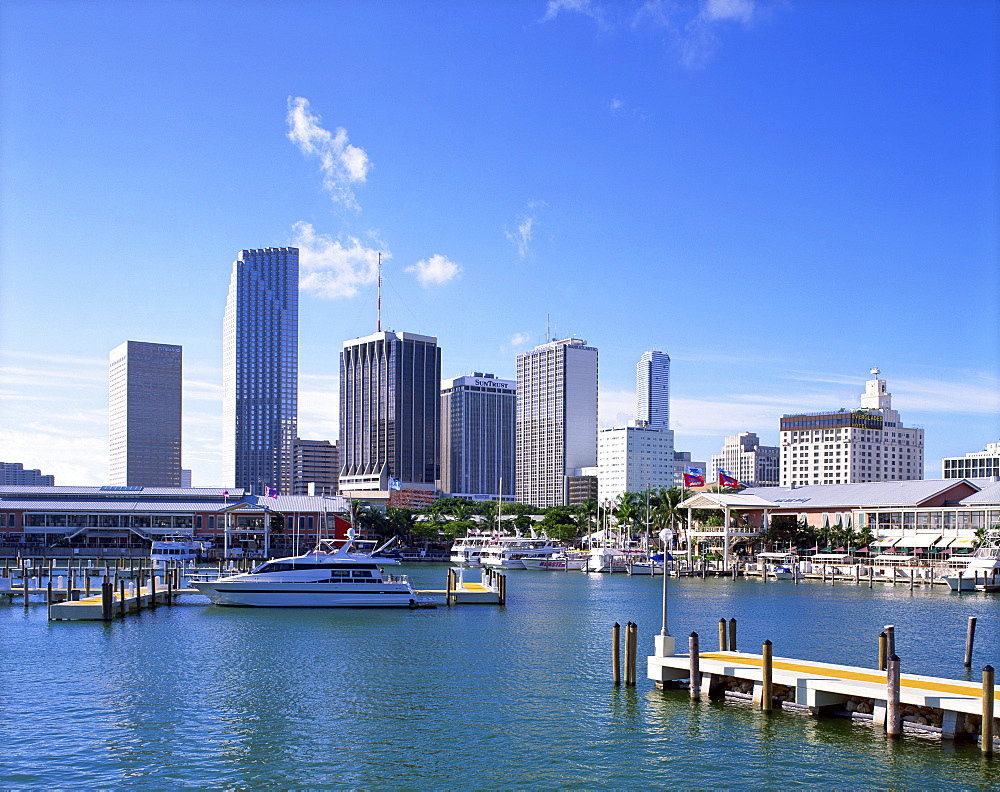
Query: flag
394, 484
693, 477
225, 493
728, 480
272, 492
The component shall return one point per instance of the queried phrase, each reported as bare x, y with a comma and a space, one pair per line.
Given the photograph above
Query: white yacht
468, 550
327, 577
560, 562
510, 552
984, 564
175, 549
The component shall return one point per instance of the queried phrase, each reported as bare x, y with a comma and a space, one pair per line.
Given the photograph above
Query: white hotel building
633, 459
851, 446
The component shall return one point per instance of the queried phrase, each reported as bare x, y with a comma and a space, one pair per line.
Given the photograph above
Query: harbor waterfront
195, 695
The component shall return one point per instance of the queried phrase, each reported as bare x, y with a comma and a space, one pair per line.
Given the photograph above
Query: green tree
560, 524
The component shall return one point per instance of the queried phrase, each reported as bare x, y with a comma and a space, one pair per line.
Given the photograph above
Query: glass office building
260, 370
144, 408
390, 412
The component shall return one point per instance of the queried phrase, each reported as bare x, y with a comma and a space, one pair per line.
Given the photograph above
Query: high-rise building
316, 467
652, 390
13, 473
849, 446
144, 389
390, 413
260, 370
477, 436
746, 460
633, 459
978, 464
556, 419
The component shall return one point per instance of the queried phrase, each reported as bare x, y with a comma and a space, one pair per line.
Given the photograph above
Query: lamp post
664, 642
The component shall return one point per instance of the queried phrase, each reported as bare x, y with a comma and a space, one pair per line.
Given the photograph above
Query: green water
468, 697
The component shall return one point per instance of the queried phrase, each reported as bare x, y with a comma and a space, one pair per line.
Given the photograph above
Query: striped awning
919, 540
959, 544
885, 541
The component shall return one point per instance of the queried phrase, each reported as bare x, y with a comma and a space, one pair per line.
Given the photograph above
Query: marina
212, 696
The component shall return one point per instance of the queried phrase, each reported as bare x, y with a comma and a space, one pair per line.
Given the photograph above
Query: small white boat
984, 565
783, 572
467, 551
326, 577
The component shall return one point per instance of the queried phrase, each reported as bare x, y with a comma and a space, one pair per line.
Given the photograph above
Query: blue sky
780, 195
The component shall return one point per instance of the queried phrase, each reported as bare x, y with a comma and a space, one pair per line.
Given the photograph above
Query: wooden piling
630, 649
503, 589
871, 576
970, 637
48, 598
883, 651
986, 736
732, 635
152, 588
616, 670
767, 695
722, 635
169, 573
121, 597
890, 635
107, 600
449, 587
893, 713
694, 659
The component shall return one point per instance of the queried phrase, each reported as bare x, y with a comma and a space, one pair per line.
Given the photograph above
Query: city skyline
779, 196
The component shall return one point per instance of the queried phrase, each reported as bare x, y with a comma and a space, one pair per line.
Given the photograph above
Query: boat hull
306, 595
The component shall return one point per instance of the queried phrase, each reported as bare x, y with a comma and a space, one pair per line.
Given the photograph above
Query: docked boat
984, 565
511, 552
175, 550
615, 559
467, 551
327, 577
560, 562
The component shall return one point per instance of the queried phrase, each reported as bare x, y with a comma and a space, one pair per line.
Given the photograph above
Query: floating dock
950, 707
94, 608
490, 589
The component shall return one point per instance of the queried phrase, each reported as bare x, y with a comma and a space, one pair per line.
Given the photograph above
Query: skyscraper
556, 419
652, 390
144, 407
260, 370
390, 413
477, 435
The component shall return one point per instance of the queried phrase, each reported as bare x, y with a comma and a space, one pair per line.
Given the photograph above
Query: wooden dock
93, 608
490, 589
951, 707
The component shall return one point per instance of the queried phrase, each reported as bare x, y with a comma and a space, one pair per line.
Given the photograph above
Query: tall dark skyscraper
144, 390
390, 412
260, 358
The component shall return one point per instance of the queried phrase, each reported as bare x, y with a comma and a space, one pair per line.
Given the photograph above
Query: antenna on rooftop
548, 334
379, 308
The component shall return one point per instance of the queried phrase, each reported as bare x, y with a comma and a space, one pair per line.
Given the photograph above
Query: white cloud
331, 267
521, 239
615, 104
615, 408
740, 10
585, 7
341, 163
520, 339
435, 271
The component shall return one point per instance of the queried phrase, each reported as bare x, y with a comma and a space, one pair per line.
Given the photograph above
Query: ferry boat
984, 563
327, 577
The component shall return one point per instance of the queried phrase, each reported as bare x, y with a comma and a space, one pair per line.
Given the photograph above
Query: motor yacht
327, 577
984, 564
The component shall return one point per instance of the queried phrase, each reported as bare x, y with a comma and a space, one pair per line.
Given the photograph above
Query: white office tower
633, 459
849, 446
144, 388
746, 460
477, 436
652, 390
556, 419
260, 359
